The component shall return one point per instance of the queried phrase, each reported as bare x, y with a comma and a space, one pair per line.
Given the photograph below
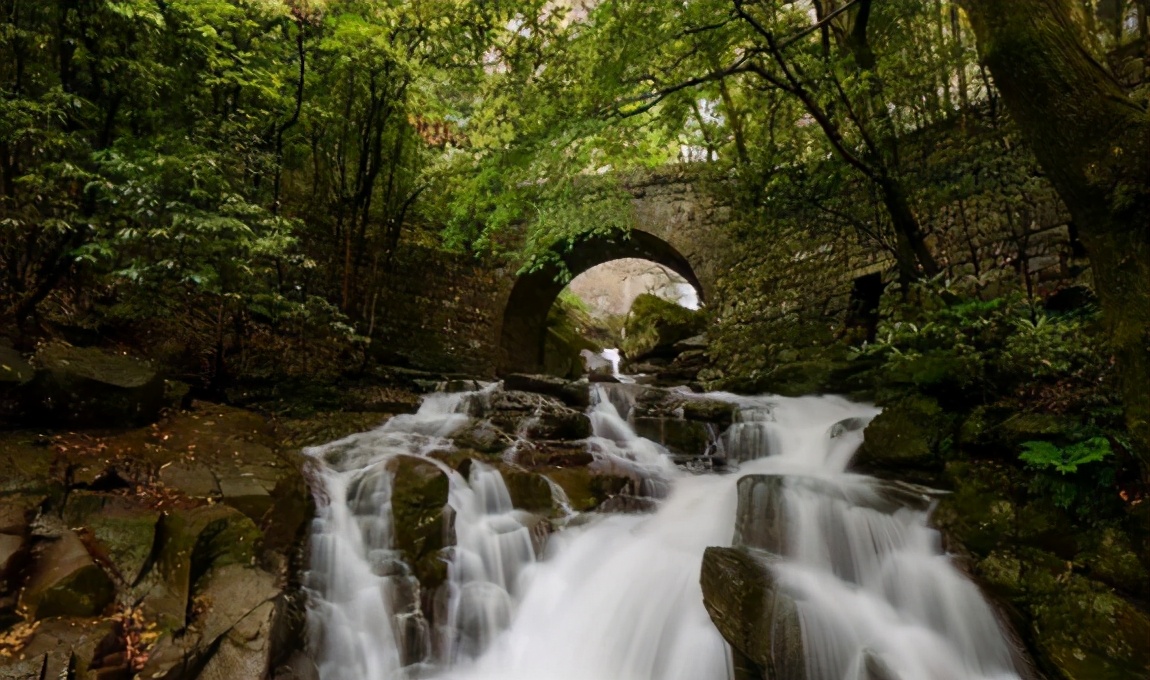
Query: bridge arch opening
524, 330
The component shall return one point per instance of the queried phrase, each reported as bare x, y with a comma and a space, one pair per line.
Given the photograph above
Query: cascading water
617, 596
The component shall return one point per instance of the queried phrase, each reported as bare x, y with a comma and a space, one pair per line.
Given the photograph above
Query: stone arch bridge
461, 314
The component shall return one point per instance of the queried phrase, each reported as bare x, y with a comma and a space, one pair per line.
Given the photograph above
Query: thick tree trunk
1094, 143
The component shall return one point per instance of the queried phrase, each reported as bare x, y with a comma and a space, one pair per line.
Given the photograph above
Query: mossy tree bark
1094, 143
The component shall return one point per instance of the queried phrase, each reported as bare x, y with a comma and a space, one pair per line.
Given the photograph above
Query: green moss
418, 499
654, 325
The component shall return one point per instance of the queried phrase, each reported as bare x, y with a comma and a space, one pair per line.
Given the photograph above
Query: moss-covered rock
1057, 577
529, 491
751, 613
88, 387
122, 532
189, 544
654, 326
684, 437
909, 434
585, 488
421, 519
66, 581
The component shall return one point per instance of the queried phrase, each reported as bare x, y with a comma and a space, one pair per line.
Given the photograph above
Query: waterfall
617, 596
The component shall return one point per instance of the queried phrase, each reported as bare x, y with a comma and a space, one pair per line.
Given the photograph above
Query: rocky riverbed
176, 549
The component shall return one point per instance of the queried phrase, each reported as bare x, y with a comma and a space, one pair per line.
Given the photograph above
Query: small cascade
492, 555
618, 596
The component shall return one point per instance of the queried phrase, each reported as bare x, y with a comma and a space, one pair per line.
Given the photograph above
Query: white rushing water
617, 596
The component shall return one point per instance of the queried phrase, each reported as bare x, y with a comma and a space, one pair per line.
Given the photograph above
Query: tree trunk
1094, 143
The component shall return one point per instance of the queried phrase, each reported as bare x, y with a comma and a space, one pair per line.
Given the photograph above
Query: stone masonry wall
445, 312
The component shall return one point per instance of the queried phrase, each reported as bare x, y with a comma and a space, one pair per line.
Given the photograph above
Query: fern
1045, 455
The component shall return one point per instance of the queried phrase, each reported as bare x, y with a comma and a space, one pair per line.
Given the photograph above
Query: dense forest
258, 199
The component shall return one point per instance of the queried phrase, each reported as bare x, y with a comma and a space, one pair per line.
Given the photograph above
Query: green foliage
1084, 483
1042, 455
230, 161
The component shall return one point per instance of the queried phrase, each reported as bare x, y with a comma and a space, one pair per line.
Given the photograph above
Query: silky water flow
617, 596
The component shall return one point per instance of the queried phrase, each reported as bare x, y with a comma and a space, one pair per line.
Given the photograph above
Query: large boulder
587, 489
422, 519
65, 580
536, 416
528, 490
1073, 592
761, 519
909, 435
752, 614
574, 394
683, 437
654, 326
189, 544
15, 374
122, 532
684, 423
229, 633
88, 387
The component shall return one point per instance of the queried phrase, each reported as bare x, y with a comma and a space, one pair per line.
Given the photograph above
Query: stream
617, 596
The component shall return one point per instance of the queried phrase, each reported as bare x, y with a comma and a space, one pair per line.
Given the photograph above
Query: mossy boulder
654, 326
683, 437
190, 544
909, 434
15, 374
751, 613
88, 387
122, 532
422, 525
528, 490
573, 394
1080, 629
65, 580
587, 489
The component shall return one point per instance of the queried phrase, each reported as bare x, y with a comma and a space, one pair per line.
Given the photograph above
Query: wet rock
585, 488
848, 425
9, 548
906, 435
529, 491
761, 521
688, 438
654, 325
189, 544
230, 637
15, 511
560, 424
1080, 628
421, 517
67, 647
627, 504
27, 465
22, 669
87, 387
597, 368
751, 613
574, 394
65, 580
15, 374
122, 532
1056, 579
483, 436
191, 477
554, 454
